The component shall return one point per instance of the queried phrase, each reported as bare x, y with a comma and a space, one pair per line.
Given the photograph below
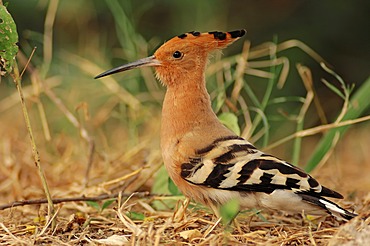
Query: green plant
100, 207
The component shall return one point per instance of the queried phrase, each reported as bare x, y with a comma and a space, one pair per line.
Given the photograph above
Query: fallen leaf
190, 234
113, 240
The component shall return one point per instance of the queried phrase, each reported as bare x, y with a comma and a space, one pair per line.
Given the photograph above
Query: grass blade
359, 103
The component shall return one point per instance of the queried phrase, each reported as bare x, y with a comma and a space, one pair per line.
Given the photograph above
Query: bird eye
177, 54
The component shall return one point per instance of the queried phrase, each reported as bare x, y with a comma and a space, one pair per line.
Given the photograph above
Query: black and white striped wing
232, 163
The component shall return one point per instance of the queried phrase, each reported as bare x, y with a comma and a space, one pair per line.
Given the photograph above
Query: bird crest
208, 41
182, 57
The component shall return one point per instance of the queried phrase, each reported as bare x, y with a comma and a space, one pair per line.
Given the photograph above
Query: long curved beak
145, 62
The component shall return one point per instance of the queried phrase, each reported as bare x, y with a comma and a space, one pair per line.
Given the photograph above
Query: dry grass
100, 158
78, 223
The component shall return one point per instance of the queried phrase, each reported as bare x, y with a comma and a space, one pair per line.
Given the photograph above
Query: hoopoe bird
208, 162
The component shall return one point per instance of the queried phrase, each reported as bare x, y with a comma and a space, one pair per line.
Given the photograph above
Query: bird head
182, 55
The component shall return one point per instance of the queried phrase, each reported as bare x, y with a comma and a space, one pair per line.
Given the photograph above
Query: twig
28, 61
35, 153
306, 77
209, 230
75, 199
48, 223
124, 218
90, 161
346, 91
317, 129
37, 90
8, 231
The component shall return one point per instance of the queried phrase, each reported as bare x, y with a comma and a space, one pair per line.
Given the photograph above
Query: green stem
35, 153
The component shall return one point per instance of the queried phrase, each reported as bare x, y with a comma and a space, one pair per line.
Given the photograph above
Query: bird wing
232, 163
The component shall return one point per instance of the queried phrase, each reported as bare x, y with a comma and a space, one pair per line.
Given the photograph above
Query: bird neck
187, 112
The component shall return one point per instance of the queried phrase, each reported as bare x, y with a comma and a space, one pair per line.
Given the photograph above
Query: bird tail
330, 207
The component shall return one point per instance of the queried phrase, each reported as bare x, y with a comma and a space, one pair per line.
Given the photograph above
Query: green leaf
230, 121
161, 186
93, 204
160, 182
135, 215
8, 40
107, 203
173, 188
260, 216
229, 211
219, 101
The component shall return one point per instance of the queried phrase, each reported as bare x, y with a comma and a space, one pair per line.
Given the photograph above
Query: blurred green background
109, 33
336, 29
